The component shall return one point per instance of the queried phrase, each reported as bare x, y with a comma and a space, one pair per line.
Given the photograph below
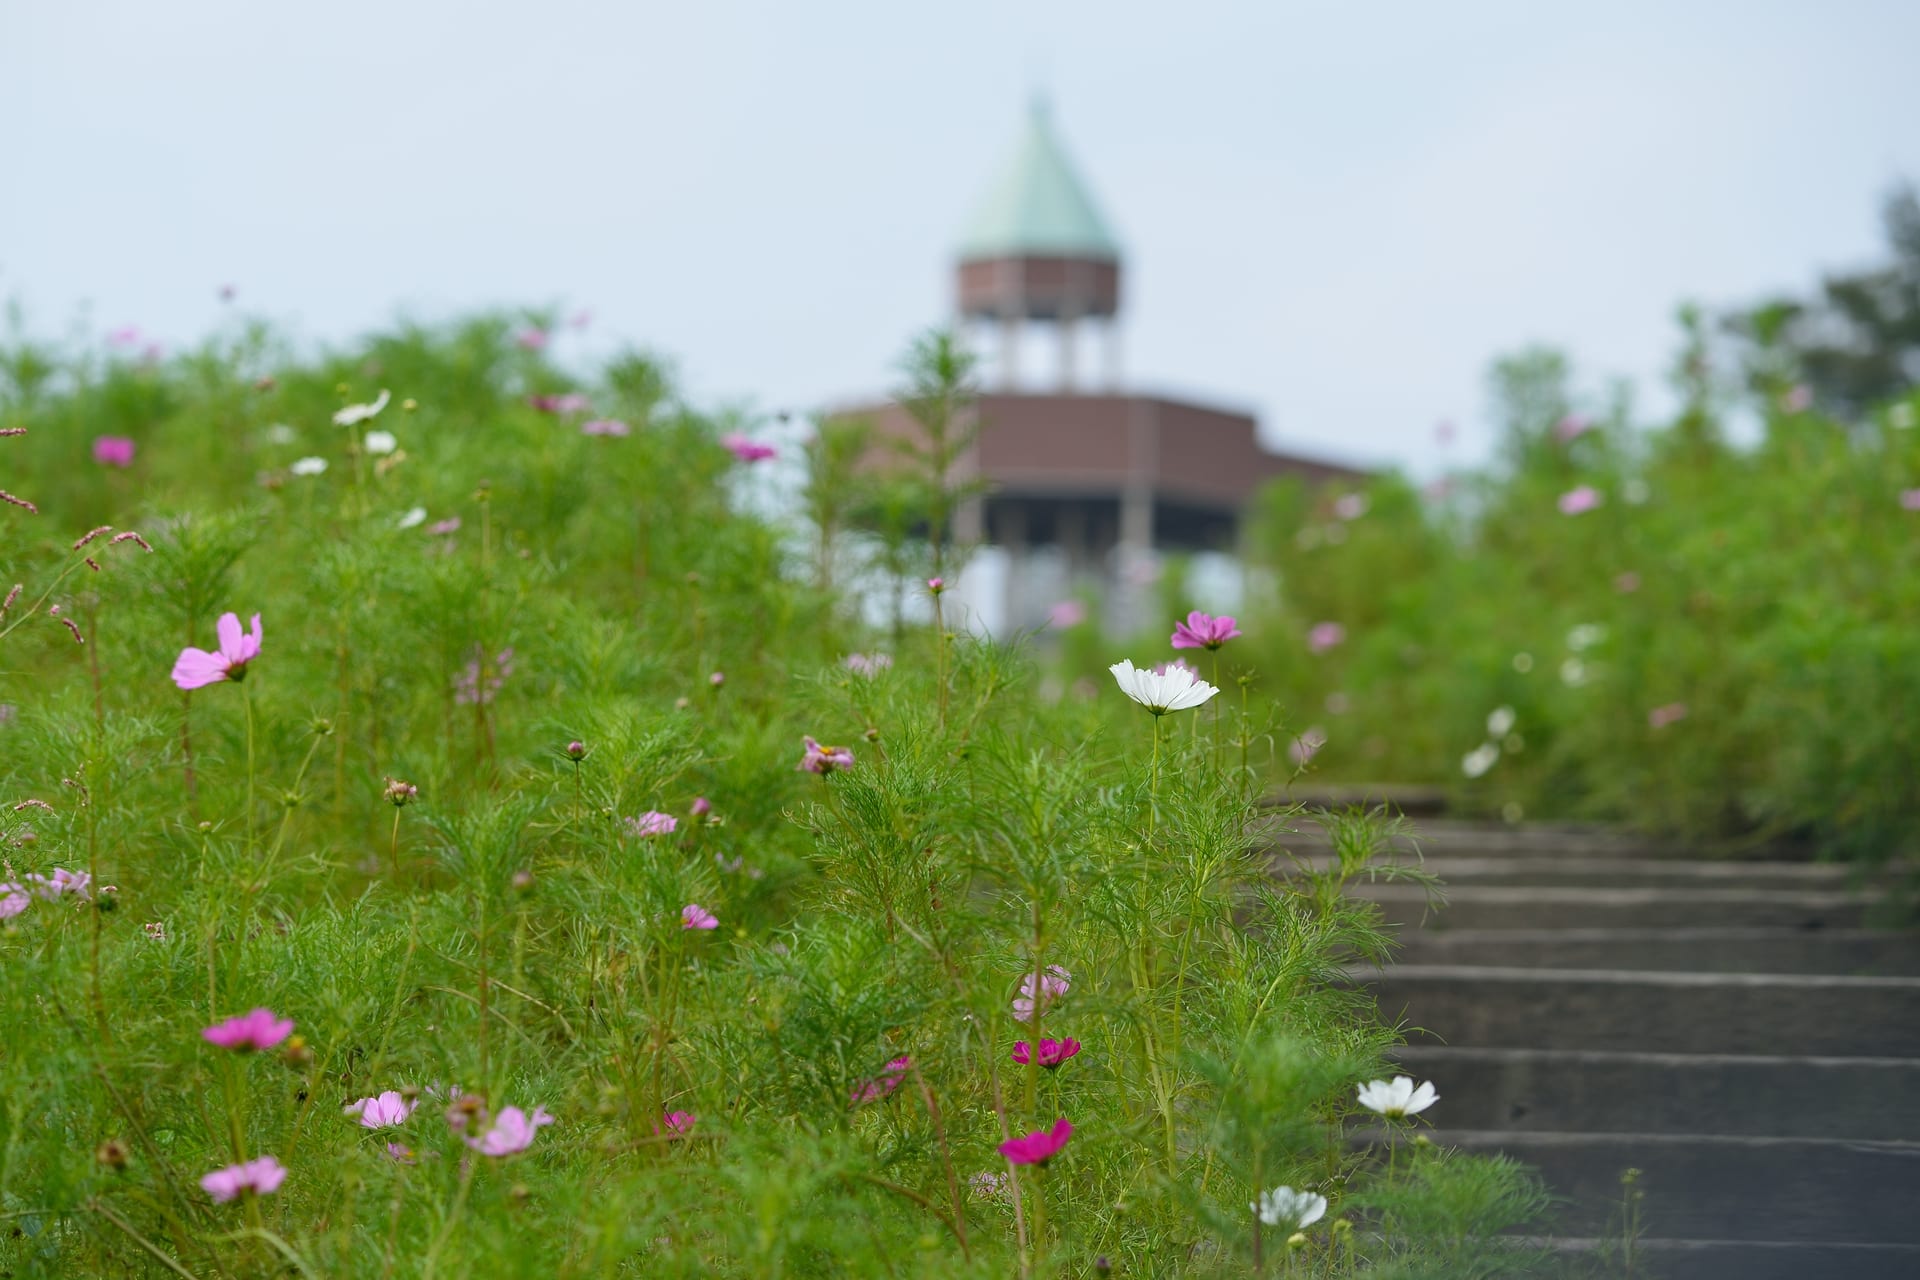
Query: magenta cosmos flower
1037, 1147
259, 1177
1054, 983
1203, 631
822, 758
695, 916
1325, 636
678, 1123
196, 668
652, 823
389, 1108
113, 451
1575, 501
1052, 1052
746, 450
512, 1132
884, 1083
255, 1029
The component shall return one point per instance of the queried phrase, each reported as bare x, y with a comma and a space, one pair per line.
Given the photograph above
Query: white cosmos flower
1285, 1207
1477, 761
1500, 722
1175, 689
380, 442
308, 466
415, 517
1399, 1098
355, 413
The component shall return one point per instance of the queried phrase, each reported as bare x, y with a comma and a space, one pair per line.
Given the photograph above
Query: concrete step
1650, 1012
1550, 908
1656, 1259
1694, 950
1626, 873
1582, 1091
1723, 1188
1431, 837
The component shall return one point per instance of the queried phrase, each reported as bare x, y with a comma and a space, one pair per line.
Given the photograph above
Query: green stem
246, 697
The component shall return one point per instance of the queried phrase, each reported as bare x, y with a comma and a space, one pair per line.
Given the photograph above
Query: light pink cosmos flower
389, 1108
1066, 615
566, 402
1325, 636
1054, 983
113, 451
1798, 399
746, 450
651, 823
127, 335
884, 1083
700, 807
531, 339
1052, 1052
717, 679
1037, 1147
512, 1132
695, 916
1575, 501
1204, 631
255, 1029
1671, 713
936, 585
1572, 427
1350, 506
1627, 583
196, 668
1178, 664
605, 427
1910, 499
1305, 747
868, 665
444, 528
61, 881
823, 758
1444, 432
257, 1177
13, 899
475, 685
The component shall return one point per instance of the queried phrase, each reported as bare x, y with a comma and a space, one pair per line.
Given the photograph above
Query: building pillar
1067, 336
1009, 350
1113, 353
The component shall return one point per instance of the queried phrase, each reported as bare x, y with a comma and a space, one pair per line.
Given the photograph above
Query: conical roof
1038, 205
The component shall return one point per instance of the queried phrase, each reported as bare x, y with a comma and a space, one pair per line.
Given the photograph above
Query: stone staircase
1737, 1031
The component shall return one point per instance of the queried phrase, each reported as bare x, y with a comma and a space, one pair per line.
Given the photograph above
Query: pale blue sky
1336, 212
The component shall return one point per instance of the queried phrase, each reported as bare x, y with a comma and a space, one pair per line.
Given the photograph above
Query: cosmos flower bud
576, 750
401, 794
112, 1153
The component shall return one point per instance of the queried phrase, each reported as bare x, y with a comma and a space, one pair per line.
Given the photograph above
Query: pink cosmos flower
1797, 400
1066, 615
1305, 747
1910, 499
1444, 432
1325, 636
1052, 1052
1671, 713
884, 1083
1037, 1147
476, 685
679, 1123
196, 668
444, 528
1627, 583
1178, 664
532, 339
746, 450
822, 758
1203, 631
389, 1108
1575, 501
127, 335
581, 318
13, 899
651, 823
695, 916
61, 881
717, 679
605, 427
1054, 983
113, 451
259, 1177
936, 585
400, 1153
1350, 506
868, 665
566, 402
1572, 427
512, 1132
256, 1029
700, 807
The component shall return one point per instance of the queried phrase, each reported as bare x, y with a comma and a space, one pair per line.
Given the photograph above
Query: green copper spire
1037, 206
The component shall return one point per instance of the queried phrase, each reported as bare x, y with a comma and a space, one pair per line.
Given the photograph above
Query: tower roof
1037, 206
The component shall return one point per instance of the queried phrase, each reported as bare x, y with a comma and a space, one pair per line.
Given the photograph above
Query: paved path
1740, 1032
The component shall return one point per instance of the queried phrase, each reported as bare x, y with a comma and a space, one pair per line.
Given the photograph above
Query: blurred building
1088, 484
